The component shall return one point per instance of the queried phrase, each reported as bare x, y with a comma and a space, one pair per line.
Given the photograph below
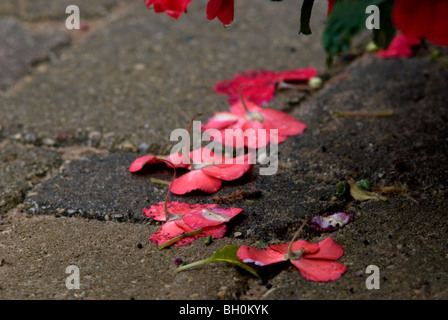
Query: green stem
162, 182
385, 113
180, 237
194, 264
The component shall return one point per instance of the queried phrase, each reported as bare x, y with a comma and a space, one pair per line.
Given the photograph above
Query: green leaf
347, 19
305, 15
226, 254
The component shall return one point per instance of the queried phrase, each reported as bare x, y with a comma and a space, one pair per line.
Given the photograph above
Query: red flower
188, 218
260, 84
422, 19
315, 261
207, 170
173, 8
221, 9
400, 47
330, 6
254, 118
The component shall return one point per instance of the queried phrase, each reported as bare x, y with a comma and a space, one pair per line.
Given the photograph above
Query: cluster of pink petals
400, 47
260, 84
207, 169
255, 118
210, 217
316, 261
221, 9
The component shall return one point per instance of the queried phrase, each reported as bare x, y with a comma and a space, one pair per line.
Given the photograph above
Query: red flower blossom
221, 9
400, 47
187, 218
330, 6
260, 84
207, 169
422, 19
244, 116
315, 261
173, 8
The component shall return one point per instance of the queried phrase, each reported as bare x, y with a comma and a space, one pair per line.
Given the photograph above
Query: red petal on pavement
157, 212
170, 230
220, 120
328, 250
195, 180
309, 247
232, 169
138, 163
286, 124
319, 270
209, 215
260, 257
298, 75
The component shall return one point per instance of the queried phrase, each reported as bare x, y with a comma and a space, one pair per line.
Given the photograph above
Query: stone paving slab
39, 10
22, 48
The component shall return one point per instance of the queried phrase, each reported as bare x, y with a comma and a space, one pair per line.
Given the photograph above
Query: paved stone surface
69, 141
25, 48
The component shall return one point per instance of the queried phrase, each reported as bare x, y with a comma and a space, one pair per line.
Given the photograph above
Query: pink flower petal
319, 270
208, 216
260, 257
309, 247
220, 120
195, 180
286, 125
170, 230
156, 212
138, 163
231, 171
328, 250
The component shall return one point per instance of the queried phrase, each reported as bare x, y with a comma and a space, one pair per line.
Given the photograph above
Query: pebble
237, 234
128, 147
143, 147
48, 142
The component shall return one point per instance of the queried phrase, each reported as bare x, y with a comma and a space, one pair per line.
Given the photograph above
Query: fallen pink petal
273, 124
315, 261
211, 218
330, 222
206, 169
260, 85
